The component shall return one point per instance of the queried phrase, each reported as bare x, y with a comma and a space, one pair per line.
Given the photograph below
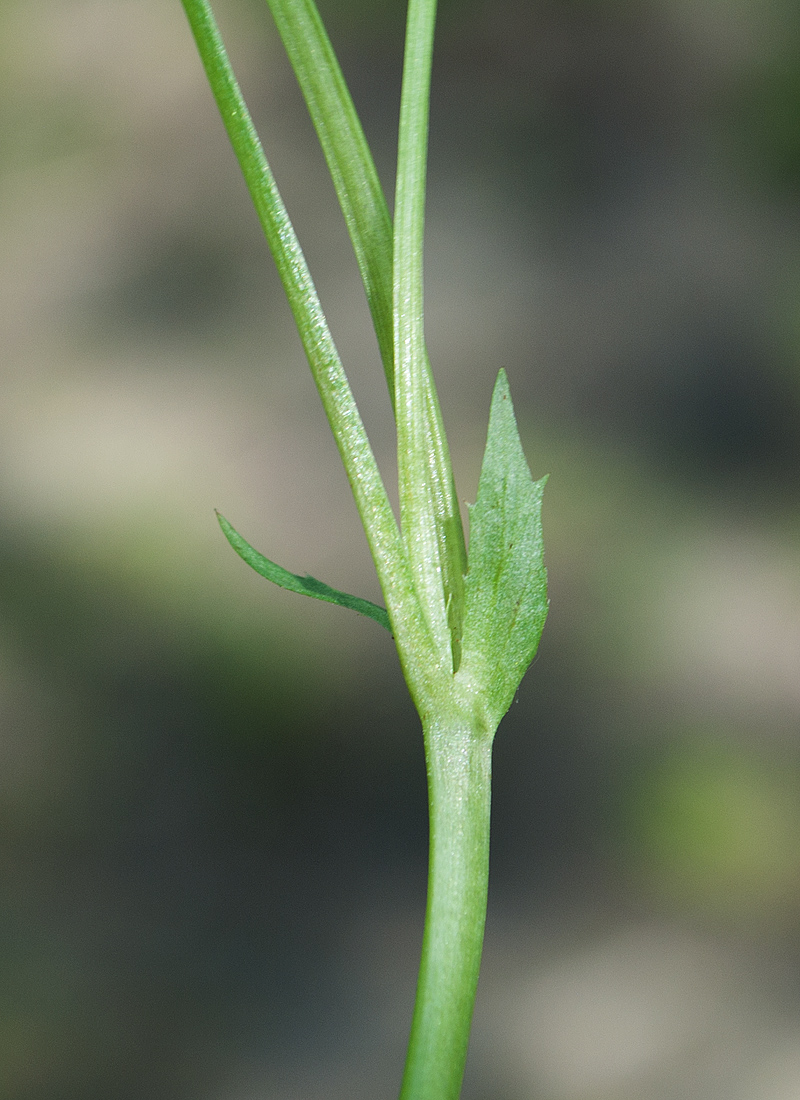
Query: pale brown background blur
212, 804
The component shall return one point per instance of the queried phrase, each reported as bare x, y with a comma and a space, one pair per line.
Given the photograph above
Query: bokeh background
212, 794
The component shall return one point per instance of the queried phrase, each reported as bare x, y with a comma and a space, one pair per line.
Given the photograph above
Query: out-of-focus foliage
718, 828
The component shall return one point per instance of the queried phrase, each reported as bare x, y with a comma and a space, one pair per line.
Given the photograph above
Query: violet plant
466, 627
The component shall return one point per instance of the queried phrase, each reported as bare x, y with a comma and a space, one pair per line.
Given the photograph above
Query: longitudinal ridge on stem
429, 513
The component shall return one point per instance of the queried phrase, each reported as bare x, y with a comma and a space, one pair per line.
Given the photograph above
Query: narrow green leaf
427, 667
367, 217
306, 586
348, 157
420, 658
506, 583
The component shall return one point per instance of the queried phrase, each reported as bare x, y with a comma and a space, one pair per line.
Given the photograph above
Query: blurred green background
212, 794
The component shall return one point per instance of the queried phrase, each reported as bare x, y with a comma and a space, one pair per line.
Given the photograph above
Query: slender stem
369, 225
499, 611
412, 158
459, 792
416, 473
421, 663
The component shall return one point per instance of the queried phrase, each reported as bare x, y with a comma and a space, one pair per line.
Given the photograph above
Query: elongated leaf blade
425, 669
366, 214
305, 585
506, 582
348, 157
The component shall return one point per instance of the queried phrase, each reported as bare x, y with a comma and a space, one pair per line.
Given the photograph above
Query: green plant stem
386, 545
369, 225
421, 493
459, 792
492, 619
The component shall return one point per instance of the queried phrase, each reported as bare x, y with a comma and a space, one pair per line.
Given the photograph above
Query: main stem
459, 793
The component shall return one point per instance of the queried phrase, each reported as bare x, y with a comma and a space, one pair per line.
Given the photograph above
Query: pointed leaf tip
506, 583
306, 586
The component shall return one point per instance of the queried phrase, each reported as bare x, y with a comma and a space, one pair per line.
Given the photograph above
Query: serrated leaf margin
505, 589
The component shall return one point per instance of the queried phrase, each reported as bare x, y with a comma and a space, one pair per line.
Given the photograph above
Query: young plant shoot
466, 628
